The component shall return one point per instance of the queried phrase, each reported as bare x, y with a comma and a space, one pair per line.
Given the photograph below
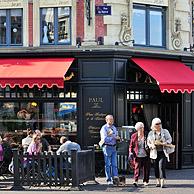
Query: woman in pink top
1, 150
35, 146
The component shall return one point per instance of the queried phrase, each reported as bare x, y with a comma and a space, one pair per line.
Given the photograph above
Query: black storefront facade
107, 81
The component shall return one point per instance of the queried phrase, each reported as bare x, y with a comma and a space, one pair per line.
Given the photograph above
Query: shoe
109, 183
162, 183
157, 182
145, 184
135, 183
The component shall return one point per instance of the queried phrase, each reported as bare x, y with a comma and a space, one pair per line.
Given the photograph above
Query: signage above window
56, 3
152, 2
103, 10
8, 4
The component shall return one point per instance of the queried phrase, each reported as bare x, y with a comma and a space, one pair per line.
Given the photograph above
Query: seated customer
6, 155
67, 146
35, 146
45, 144
1, 150
27, 140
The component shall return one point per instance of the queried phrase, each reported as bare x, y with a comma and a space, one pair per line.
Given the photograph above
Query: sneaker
109, 183
145, 184
162, 183
157, 182
135, 183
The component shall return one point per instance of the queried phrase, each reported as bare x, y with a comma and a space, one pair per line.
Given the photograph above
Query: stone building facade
104, 40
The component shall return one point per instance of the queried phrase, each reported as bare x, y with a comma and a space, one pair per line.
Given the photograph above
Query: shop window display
61, 117
16, 116
51, 110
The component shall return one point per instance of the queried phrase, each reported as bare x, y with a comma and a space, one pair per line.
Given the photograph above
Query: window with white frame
55, 25
11, 27
149, 25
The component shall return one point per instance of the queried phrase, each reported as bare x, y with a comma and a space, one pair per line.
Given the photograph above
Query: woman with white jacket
158, 140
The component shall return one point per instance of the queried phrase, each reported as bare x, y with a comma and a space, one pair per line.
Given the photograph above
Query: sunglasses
158, 123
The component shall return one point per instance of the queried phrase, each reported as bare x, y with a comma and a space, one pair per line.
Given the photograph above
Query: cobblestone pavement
178, 182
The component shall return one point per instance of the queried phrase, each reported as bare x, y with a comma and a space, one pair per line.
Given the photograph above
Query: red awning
170, 75
33, 71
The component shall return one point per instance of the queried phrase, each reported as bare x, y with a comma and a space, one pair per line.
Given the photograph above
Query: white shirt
26, 142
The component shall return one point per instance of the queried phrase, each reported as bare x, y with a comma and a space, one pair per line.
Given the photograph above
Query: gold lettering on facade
95, 116
96, 102
93, 128
142, 78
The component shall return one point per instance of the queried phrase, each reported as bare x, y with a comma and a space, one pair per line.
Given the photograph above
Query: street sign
103, 10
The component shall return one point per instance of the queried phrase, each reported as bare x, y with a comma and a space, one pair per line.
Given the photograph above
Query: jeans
110, 159
159, 165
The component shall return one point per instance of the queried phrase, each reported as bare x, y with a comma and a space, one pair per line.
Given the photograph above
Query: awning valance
170, 75
33, 72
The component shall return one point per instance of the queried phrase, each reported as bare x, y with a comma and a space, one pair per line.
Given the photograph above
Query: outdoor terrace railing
50, 169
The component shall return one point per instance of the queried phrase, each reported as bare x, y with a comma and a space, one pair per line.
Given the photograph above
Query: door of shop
169, 114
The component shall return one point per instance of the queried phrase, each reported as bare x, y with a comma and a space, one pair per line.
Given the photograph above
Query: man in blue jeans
109, 137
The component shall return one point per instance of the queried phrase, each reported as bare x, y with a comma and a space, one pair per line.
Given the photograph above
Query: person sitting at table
35, 145
67, 146
45, 144
27, 140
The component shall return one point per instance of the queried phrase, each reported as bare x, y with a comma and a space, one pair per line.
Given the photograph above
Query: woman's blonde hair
154, 121
35, 137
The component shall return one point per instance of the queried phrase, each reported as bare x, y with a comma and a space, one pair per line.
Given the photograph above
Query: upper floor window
11, 27
149, 25
55, 25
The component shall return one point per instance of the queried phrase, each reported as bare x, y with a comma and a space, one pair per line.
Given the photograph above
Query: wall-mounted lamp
177, 25
100, 40
118, 43
78, 42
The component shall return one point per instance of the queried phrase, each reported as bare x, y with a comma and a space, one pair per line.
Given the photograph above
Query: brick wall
30, 22
100, 28
80, 19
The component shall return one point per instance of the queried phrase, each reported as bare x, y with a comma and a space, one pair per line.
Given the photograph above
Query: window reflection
18, 116
47, 25
148, 25
64, 25
55, 25
16, 26
155, 28
15, 116
60, 115
139, 29
2, 27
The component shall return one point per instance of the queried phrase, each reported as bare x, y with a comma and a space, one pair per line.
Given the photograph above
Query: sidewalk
178, 182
